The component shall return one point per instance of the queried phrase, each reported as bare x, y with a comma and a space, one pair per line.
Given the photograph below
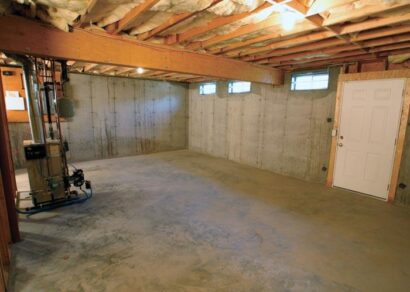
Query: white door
369, 123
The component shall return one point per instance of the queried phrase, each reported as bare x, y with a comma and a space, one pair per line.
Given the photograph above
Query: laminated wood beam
24, 36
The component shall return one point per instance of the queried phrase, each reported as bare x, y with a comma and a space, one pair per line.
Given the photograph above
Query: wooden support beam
81, 45
172, 21
215, 23
8, 176
133, 14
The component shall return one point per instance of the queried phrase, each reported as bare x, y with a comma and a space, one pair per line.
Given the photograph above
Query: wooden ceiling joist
124, 71
83, 19
172, 21
344, 60
107, 69
337, 49
365, 12
89, 67
213, 24
349, 28
244, 30
348, 53
251, 54
234, 49
84, 46
133, 14
381, 33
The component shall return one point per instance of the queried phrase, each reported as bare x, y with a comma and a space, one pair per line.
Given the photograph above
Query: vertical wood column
7, 170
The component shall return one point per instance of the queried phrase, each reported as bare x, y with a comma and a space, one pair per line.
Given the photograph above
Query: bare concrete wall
271, 128
118, 117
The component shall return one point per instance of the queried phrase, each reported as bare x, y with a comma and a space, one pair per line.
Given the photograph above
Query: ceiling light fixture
140, 70
288, 19
288, 16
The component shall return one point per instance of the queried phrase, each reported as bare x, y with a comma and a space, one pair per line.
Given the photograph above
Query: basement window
312, 80
207, 88
239, 87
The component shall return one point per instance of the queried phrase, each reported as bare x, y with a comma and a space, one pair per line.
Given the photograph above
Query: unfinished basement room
204, 145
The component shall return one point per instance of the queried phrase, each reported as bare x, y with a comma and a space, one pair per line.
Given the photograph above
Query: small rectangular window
239, 87
312, 80
207, 88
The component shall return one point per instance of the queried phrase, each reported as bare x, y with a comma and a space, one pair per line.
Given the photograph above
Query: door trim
402, 127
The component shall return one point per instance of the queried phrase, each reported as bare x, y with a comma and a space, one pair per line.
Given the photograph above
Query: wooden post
5, 236
7, 170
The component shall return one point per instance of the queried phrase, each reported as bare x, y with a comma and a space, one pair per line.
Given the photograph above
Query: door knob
340, 144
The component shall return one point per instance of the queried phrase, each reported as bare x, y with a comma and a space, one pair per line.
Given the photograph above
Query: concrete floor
181, 221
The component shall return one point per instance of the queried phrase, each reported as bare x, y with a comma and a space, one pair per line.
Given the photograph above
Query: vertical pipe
33, 98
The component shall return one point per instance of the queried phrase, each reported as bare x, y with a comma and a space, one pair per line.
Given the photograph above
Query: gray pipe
33, 97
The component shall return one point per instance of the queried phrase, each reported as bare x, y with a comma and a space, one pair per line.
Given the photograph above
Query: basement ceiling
283, 34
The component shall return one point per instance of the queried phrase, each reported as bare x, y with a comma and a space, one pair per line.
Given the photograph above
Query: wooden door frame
402, 127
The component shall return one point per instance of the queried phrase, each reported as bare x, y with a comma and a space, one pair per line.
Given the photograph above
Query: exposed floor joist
254, 34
